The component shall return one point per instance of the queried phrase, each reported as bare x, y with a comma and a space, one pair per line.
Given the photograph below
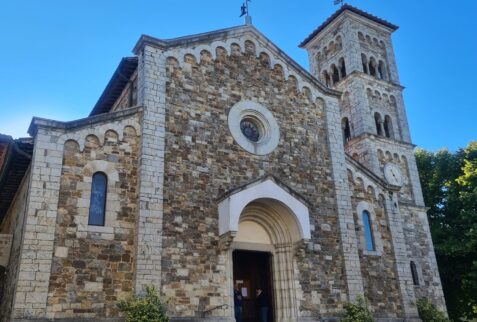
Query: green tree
428, 312
358, 312
148, 308
449, 184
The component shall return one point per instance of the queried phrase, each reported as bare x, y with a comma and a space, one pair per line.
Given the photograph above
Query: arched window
326, 79
378, 121
364, 60
368, 232
336, 74
388, 127
372, 67
381, 70
415, 277
97, 203
346, 129
342, 68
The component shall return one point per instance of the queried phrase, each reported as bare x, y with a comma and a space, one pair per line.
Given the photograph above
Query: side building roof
15, 157
116, 84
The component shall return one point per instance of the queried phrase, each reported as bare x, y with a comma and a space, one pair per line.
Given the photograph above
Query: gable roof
128, 65
224, 34
347, 7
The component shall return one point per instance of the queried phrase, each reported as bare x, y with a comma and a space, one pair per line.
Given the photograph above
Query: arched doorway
271, 220
262, 254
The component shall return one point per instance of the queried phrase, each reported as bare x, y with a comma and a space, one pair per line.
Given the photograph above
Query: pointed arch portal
266, 222
231, 207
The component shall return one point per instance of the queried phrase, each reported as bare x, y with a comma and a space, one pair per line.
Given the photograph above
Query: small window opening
365, 63
415, 276
346, 130
133, 93
336, 74
97, 204
372, 68
343, 68
381, 70
368, 232
378, 121
388, 127
327, 79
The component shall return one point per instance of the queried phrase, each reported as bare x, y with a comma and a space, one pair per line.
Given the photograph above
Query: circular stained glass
250, 130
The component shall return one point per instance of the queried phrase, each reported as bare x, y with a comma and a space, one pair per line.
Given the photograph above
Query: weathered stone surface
197, 137
171, 164
92, 267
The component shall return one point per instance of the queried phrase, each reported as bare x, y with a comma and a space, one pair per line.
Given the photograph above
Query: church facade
215, 159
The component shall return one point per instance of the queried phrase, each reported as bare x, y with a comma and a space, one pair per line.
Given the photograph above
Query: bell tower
352, 52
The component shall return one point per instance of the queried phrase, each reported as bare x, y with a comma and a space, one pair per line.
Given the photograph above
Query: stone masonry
161, 135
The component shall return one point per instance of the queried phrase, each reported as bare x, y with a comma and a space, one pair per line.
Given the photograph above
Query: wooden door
252, 270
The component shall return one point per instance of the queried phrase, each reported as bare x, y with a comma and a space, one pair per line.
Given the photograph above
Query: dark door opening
253, 270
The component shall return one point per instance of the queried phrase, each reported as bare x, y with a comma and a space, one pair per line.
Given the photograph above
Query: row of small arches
110, 137
378, 97
332, 47
371, 41
384, 126
364, 184
236, 46
374, 67
335, 73
387, 156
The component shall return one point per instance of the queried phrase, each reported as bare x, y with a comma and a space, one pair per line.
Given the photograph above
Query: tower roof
347, 7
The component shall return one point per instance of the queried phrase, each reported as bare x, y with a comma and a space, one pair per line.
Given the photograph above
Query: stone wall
93, 266
420, 249
202, 162
13, 225
378, 268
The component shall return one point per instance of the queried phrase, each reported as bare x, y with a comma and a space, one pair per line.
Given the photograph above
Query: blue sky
57, 56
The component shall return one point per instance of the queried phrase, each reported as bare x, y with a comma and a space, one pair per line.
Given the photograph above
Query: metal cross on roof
244, 12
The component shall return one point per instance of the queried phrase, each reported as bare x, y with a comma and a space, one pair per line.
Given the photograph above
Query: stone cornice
368, 135
209, 41
42, 122
347, 10
358, 74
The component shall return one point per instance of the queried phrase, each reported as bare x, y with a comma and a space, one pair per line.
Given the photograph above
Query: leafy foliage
149, 308
358, 312
449, 183
428, 312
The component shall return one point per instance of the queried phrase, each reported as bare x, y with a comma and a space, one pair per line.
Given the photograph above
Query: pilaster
349, 242
402, 118
39, 232
400, 254
152, 95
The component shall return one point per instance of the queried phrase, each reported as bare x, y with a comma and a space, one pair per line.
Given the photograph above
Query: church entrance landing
253, 270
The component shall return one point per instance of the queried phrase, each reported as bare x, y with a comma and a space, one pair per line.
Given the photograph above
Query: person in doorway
238, 303
262, 302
